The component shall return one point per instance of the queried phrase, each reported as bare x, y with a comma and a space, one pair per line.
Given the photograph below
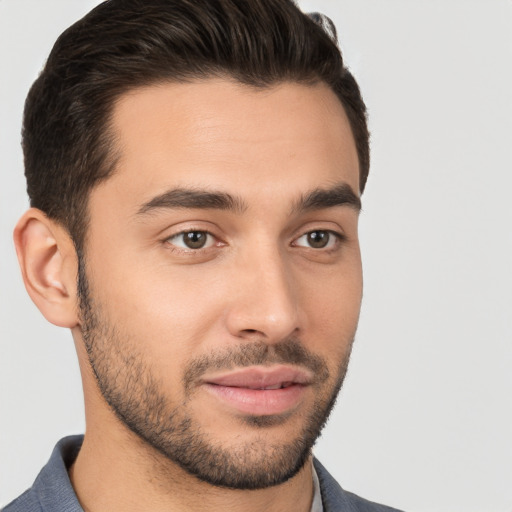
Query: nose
264, 306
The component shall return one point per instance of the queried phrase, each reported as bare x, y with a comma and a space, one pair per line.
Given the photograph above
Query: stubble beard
139, 401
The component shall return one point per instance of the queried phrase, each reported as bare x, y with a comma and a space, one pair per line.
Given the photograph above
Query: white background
424, 422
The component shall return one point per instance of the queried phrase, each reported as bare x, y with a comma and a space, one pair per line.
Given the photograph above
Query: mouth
260, 390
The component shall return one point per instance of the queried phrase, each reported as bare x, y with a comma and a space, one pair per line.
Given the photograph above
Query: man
195, 172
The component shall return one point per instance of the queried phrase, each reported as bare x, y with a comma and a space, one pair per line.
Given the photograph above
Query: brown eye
319, 239
195, 239
192, 240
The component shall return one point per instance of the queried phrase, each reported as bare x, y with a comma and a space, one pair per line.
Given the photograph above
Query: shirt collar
54, 491
317, 505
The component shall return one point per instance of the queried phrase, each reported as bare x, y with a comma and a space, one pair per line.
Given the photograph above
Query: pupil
195, 239
318, 239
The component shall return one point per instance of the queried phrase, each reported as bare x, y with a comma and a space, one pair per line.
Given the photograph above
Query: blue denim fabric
335, 499
52, 490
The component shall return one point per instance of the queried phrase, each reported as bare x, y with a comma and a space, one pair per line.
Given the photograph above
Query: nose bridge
265, 304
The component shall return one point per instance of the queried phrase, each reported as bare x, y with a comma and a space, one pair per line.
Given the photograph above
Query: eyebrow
195, 199
317, 199
320, 198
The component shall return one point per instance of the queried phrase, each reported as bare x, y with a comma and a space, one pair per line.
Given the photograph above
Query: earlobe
48, 264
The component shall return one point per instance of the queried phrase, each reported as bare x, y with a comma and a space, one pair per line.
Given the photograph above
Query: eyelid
180, 231
338, 236
216, 241
209, 239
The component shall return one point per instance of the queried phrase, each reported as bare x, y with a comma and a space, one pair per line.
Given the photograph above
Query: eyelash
190, 250
335, 237
339, 238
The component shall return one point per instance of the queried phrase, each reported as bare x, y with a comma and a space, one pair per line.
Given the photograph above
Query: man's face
222, 277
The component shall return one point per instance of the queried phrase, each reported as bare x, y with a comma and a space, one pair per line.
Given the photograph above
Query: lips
260, 390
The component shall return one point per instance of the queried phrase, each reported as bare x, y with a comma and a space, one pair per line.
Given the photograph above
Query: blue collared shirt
52, 490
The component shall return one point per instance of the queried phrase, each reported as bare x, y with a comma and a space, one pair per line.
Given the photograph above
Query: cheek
165, 311
175, 312
332, 306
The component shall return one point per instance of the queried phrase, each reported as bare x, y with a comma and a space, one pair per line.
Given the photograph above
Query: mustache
290, 351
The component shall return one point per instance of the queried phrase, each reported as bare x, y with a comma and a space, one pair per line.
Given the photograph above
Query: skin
257, 280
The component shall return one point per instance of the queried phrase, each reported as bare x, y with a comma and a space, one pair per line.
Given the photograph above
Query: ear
48, 262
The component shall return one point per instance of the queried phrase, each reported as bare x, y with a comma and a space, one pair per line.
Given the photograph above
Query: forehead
224, 135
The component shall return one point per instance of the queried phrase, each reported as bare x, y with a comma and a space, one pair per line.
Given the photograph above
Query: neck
120, 472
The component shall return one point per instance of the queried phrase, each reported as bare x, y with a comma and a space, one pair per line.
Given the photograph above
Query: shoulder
336, 499
27, 502
52, 490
